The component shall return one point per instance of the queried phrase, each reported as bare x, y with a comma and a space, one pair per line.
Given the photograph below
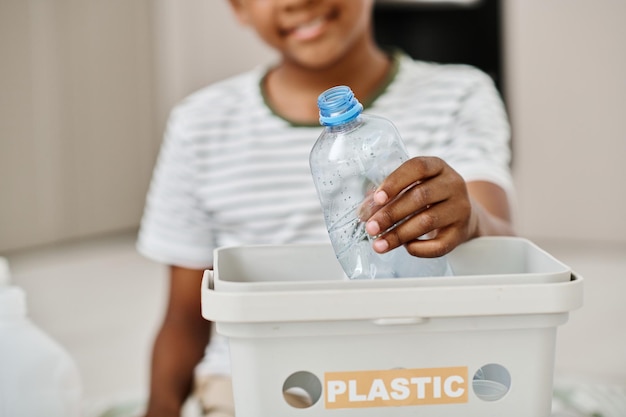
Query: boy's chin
315, 60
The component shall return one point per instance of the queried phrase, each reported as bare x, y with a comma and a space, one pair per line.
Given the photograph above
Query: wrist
484, 223
474, 224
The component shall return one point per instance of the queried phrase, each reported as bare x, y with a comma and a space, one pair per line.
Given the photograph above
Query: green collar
396, 56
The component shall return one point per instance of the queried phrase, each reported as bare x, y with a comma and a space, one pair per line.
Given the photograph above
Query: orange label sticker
395, 387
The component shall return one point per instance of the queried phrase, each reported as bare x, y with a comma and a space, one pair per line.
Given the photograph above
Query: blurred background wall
86, 87
566, 66
78, 136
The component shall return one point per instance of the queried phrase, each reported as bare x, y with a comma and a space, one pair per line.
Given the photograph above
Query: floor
103, 302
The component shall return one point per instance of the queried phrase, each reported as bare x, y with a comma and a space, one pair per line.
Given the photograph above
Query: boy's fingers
412, 201
418, 225
409, 173
447, 239
438, 217
403, 180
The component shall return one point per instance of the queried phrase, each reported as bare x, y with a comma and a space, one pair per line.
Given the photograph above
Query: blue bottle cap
338, 105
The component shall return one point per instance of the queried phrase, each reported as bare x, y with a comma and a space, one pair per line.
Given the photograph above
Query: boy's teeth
309, 28
314, 22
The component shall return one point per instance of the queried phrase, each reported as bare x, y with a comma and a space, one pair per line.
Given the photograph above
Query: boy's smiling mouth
310, 29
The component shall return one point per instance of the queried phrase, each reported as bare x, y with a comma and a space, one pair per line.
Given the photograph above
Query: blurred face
309, 33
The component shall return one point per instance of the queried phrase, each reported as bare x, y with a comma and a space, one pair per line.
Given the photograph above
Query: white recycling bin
305, 341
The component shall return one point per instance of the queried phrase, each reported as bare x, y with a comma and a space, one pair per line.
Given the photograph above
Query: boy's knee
215, 395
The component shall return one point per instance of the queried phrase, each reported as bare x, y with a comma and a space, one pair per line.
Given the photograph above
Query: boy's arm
179, 345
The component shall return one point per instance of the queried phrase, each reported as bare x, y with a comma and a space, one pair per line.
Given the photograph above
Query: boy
234, 170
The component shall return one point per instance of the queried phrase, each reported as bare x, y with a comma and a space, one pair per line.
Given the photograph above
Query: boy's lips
310, 29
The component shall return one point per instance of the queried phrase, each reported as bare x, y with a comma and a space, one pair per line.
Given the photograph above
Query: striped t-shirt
232, 172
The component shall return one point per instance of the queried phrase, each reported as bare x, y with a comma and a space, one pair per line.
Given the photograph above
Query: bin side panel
262, 365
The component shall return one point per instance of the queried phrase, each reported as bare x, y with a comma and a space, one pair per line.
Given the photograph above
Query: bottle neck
347, 126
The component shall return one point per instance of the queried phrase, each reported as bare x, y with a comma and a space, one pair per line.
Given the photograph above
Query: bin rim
418, 303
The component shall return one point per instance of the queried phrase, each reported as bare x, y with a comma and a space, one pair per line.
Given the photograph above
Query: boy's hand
424, 196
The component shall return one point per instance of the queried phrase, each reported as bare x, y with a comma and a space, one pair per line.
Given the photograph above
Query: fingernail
381, 245
380, 197
372, 228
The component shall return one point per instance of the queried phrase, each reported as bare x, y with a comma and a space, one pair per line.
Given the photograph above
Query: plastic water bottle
352, 156
37, 376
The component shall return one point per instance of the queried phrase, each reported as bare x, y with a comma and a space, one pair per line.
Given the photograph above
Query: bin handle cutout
302, 389
208, 279
491, 382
